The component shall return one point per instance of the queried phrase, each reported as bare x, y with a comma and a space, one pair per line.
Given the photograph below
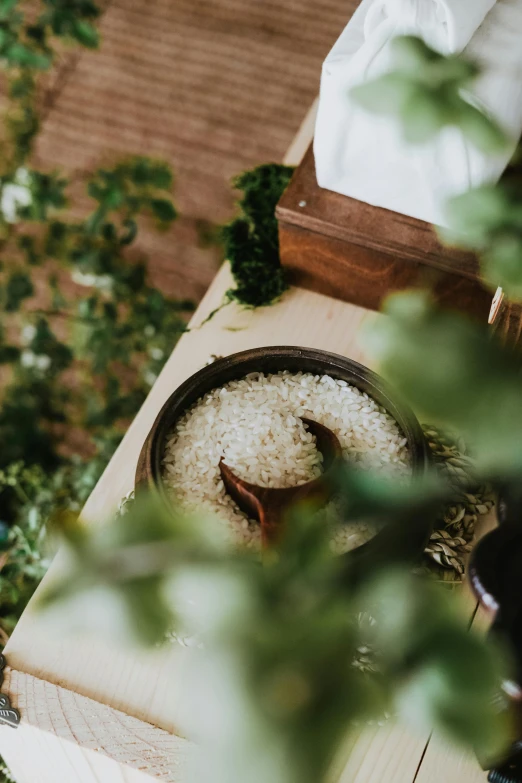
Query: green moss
251, 240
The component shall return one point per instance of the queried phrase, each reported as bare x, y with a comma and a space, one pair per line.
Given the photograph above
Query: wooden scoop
269, 505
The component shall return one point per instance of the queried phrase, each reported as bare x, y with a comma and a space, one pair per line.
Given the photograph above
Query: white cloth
362, 155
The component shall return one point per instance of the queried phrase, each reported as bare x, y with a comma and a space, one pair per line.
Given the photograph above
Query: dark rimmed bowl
293, 359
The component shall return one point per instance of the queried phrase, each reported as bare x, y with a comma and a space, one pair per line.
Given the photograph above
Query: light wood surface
71, 689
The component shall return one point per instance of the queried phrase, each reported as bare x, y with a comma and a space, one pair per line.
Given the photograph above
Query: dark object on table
353, 251
509, 773
405, 544
495, 572
269, 505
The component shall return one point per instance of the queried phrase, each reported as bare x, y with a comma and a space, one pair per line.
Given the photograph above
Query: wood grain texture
92, 726
345, 248
366, 277
212, 86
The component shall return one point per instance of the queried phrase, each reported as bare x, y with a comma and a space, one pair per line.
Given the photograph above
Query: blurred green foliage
278, 681
488, 220
83, 333
455, 371
274, 674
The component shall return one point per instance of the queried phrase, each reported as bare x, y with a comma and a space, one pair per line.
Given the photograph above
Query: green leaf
483, 132
502, 265
472, 216
86, 34
411, 52
113, 197
144, 171
385, 95
161, 176
18, 54
424, 89
6, 6
450, 369
163, 209
423, 116
19, 287
131, 231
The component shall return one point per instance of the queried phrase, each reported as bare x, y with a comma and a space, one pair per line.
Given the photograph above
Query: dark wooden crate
347, 249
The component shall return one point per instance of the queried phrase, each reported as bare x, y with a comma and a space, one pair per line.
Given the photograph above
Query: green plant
251, 240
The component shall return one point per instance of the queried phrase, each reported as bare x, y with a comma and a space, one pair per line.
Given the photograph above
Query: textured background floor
213, 86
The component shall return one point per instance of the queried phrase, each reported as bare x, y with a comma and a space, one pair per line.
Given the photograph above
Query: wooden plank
34, 756
445, 761
347, 249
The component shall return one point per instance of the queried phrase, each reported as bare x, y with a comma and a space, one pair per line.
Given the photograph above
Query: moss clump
251, 240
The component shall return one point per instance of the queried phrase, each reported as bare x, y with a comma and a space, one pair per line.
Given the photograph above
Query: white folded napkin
447, 25
364, 156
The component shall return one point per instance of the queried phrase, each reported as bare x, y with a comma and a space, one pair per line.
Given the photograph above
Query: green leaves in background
425, 90
71, 19
28, 45
455, 372
18, 287
488, 220
134, 186
252, 241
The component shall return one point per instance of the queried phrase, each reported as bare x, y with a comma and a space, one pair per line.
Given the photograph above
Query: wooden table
95, 713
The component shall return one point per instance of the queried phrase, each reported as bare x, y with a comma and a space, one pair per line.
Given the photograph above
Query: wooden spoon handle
271, 520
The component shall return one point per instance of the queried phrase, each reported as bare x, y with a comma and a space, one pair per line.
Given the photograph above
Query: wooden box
353, 251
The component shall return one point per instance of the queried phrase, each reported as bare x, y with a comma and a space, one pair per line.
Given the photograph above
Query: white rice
255, 424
